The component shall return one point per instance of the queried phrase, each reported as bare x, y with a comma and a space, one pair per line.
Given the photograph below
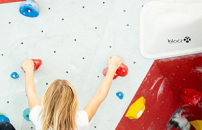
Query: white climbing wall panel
73, 38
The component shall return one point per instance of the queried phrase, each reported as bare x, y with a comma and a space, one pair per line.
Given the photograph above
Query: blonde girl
58, 107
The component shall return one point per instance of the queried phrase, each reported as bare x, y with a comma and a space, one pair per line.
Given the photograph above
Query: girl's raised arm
91, 108
33, 100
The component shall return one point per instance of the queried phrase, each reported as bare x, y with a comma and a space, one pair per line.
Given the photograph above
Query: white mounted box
170, 28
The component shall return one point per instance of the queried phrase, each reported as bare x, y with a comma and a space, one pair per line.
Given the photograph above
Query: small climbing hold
37, 63
120, 95
197, 124
29, 8
4, 118
180, 122
191, 96
136, 109
14, 75
121, 71
26, 114
171, 124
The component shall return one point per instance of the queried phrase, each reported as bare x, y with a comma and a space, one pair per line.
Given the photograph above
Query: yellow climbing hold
136, 109
197, 124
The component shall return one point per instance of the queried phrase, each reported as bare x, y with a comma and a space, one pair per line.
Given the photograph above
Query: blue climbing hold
14, 75
26, 114
29, 8
4, 118
120, 95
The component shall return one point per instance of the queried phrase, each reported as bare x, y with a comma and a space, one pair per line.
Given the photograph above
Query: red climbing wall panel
161, 88
184, 72
9, 1
160, 103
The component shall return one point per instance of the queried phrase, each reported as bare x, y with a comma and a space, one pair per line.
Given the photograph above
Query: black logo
187, 39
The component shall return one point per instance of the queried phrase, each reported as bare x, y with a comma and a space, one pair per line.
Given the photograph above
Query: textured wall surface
159, 106
161, 88
73, 38
184, 72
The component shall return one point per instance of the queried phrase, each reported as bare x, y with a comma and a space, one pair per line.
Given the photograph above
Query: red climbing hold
121, 71
189, 92
37, 63
191, 96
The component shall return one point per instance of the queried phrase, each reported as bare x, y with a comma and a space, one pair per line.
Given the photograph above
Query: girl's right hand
114, 61
28, 65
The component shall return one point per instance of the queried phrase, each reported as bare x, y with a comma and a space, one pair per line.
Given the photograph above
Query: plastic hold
121, 71
120, 95
26, 114
171, 124
4, 118
180, 122
191, 96
136, 109
37, 63
14, 75
197, 124
29, 8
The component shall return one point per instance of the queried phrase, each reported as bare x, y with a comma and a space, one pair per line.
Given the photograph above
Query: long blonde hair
59, 105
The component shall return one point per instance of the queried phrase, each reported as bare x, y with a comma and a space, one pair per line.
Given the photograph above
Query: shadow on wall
161, 88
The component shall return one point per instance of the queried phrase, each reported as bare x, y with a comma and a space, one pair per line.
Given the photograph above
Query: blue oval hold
4, 118
29, 8
26, 114
14, 75
120, 95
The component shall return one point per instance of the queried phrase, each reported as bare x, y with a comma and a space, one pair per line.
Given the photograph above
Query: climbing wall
161, 88
184, 72
73, 38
